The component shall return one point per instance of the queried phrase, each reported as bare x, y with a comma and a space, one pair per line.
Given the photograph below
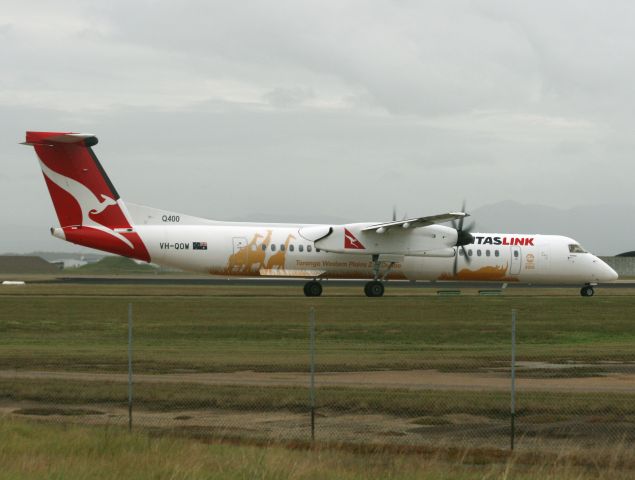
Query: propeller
464, 237
394, 214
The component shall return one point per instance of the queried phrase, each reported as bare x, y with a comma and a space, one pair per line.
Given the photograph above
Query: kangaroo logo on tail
103, 205
87, 201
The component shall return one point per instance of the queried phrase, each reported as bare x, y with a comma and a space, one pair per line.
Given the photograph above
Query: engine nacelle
398, 241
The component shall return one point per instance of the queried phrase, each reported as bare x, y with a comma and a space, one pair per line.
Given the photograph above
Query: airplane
92, 214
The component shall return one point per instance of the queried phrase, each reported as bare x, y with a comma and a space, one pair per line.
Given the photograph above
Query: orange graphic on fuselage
239, 260
277, 259
483, 273
256, 254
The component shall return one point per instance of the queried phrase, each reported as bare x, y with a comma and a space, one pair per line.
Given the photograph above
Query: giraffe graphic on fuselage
277, 259
256, 255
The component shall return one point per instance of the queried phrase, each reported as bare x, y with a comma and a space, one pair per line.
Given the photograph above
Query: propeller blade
462, 218
463, 235
456, 262
394, 213
468, 259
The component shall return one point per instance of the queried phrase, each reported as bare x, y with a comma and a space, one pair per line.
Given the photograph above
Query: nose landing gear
312, 289
587, 291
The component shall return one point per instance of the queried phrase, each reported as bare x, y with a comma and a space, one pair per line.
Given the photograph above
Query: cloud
306, 107
288, 97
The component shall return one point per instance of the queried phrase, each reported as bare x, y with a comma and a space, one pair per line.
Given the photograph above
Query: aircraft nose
605, 273
612, 274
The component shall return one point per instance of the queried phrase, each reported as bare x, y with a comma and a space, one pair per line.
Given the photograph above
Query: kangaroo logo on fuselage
350, 241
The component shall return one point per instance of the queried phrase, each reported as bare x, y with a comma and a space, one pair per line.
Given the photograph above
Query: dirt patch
48, 411
393, 379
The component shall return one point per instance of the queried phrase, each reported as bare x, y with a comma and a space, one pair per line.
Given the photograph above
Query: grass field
33, 450
265, 328
183, 330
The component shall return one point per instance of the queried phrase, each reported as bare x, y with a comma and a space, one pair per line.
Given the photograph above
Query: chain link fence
408, 372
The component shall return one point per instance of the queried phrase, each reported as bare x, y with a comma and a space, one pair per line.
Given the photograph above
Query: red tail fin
86, 202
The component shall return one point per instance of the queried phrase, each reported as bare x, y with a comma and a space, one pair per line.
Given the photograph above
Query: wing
416, 222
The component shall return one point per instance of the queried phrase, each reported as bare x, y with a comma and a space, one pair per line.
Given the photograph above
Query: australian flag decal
199, 245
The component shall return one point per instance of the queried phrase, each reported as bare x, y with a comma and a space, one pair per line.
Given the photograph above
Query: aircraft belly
426, 268
337, 265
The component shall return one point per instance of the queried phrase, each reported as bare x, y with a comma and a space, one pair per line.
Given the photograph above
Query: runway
214, 281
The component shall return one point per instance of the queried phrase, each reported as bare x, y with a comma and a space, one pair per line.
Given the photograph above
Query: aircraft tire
374, 289
587, 291
312, 289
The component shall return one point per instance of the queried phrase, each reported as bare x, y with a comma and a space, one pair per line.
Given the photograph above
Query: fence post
312, 370
513, 386
130, 367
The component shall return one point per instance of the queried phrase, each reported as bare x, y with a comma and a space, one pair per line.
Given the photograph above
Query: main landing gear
313, 288
587, 291
374, 289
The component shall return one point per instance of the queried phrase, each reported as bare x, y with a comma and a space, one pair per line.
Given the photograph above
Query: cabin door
516, 260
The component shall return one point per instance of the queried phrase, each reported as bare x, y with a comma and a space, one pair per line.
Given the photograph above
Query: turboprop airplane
92, 214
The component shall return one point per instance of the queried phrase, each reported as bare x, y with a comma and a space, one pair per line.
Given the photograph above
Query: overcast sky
322, 110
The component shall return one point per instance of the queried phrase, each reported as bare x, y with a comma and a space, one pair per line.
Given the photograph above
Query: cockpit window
575, 248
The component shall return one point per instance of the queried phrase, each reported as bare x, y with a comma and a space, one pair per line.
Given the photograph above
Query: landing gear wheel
374, 289
312, 289
587, 291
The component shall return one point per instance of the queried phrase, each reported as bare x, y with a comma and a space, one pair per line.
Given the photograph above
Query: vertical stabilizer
87, 204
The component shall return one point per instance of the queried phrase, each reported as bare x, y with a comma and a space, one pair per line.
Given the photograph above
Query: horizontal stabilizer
51, 138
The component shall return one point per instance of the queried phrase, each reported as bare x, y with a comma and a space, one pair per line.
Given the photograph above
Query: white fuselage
236, 249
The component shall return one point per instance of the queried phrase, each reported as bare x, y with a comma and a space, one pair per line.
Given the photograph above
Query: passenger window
488, 253
309, 248
264, 247
273, 247
497, 253
301, 248
478, 253
516, 253
291, 248
461, 252
282, 247
469, 252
